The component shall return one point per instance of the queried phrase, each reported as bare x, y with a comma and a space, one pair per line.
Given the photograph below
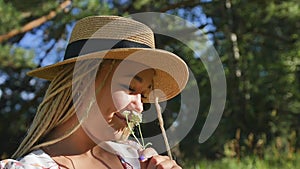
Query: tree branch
35, 23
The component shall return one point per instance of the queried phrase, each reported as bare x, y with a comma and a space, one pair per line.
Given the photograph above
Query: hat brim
171, 71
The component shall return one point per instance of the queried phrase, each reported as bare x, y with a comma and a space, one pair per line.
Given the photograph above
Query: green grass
246, 163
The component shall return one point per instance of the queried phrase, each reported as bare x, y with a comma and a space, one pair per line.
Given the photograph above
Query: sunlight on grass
246, 163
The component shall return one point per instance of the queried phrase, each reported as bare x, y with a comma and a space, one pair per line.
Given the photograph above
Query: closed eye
131, 90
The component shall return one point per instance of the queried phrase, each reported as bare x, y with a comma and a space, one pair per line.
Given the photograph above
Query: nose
136, 103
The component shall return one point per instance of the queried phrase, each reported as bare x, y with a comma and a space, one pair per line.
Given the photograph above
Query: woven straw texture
112, 27
171, 71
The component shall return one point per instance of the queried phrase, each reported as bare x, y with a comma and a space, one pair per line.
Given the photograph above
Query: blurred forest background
257, 41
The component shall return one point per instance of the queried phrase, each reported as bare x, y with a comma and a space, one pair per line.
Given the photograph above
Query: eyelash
131, 90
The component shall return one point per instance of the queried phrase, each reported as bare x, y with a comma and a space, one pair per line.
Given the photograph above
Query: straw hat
114, 37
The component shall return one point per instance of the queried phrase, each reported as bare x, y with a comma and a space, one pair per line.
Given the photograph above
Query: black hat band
86, 46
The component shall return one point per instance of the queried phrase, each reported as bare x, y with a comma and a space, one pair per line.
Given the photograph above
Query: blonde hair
58, 104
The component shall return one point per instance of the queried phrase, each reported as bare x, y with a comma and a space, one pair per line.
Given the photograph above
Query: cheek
96, 126
120, 99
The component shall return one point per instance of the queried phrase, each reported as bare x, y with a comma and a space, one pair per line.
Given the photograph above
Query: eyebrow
138, 78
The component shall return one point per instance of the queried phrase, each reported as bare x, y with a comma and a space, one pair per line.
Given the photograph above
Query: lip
121, 117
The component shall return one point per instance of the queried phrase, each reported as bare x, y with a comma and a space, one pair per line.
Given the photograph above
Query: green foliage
284, 9
260, 124
141, 3
249, 162
10, 17
16, 58
263, 90
15, 97
31, 5
93, 7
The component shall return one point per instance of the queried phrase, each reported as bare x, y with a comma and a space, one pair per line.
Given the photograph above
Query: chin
122, 134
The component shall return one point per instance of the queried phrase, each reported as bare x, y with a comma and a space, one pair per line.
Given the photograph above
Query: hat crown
112, 27
118, 38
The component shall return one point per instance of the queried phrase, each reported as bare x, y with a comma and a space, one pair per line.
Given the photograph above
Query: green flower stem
140, 131
136, 123
131, 131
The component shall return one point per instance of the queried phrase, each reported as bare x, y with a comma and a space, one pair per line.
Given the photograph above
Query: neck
75, 144
95, 157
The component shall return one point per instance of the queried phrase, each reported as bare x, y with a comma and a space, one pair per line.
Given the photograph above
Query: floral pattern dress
38, 159
35, 160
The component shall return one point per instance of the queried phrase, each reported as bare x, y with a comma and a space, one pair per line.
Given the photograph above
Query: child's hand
149, 159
